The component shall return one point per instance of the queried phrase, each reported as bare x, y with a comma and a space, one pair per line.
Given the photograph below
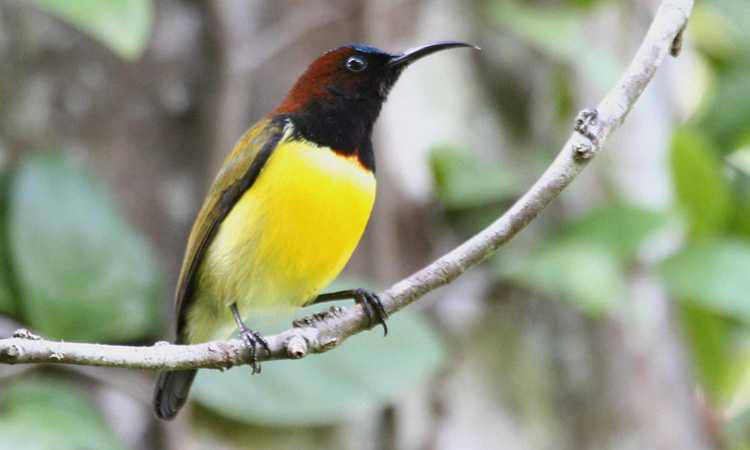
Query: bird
287, 208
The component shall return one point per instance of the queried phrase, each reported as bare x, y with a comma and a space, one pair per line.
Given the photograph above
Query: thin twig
324, 331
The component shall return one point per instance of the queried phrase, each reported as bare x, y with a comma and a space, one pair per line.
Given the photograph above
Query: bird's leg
369, 300
251, 338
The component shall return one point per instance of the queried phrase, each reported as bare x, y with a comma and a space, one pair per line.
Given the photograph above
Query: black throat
339, 127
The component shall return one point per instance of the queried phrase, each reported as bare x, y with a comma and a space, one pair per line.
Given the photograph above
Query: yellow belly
285, 240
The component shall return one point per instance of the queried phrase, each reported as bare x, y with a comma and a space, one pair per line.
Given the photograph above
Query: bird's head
353, 78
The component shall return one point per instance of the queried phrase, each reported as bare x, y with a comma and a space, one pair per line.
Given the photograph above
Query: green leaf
725, 117
712, 32
122, 25
738, 404
740, 159
551, 30
583, 273
731, 21
463, 182
586, 3
707, 335
42, 414
712, 275
739, 174
701, 190
366, 372
617, 227
83, 273
736, 430
561, 34
583, 262
7, 298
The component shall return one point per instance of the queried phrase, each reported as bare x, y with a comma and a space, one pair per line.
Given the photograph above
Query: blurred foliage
704, 22
361, 375
729, 110
581, 272
7, 297
739, 172
700, 186
72, 268
48, 414
585, 262
714, 275
560, 34
708, 335
710, 274
741, 160
76, 259
619, 228
122, 25
84, 274
463, 182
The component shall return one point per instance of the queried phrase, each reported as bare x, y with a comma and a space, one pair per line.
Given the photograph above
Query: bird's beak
401, 60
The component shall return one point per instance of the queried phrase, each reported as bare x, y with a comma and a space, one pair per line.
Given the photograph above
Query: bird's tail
171, 392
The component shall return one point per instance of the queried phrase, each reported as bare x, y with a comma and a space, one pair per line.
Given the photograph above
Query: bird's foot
253, 340
373, 307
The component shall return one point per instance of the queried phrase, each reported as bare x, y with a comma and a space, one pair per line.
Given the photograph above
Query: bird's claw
252, 340
373, 308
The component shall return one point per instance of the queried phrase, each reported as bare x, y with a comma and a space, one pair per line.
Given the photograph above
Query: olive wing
237, 175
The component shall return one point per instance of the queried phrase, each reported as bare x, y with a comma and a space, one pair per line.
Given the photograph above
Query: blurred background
618, 320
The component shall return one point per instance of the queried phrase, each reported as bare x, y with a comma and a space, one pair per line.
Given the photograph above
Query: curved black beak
401, 60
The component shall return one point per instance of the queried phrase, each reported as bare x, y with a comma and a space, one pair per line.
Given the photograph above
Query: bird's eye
356, 64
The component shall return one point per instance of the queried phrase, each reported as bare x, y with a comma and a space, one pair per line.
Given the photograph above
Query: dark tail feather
171, 392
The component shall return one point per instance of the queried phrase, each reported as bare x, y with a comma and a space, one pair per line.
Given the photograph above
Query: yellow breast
288, 236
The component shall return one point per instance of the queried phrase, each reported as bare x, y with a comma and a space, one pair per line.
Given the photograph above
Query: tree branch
324, 331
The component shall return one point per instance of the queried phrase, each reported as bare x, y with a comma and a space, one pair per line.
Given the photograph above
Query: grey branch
324, 331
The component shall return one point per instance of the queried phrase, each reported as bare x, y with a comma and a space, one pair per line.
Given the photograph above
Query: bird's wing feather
240, 170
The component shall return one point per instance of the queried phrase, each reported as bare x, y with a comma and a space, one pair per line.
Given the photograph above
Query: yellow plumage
286, 238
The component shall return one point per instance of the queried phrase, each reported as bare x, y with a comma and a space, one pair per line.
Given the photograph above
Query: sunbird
287, 208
